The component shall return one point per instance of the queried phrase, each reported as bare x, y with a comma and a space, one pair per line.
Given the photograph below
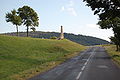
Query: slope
22, 57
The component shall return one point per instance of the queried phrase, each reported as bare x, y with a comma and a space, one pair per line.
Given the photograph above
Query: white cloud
72, 11
69, 8
62, 8
94, 30
71, 3
92, 25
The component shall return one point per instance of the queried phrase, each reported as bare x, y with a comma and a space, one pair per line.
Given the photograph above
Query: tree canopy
29, 17
14, 19
25, 15
109, 15
106, 9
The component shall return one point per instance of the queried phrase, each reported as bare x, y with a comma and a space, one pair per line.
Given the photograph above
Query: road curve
92, 64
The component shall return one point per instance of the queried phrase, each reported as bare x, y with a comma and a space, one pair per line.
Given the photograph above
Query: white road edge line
83, 68
78, 75
85, 63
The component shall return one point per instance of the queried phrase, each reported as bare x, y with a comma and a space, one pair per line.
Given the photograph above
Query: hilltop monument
61, 34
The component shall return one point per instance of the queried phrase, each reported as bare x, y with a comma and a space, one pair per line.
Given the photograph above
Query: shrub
54, 37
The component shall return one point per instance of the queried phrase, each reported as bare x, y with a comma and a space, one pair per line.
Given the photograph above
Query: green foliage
111, 50
25, 15
33, 29
54, 37
110, 23
116, 42
20, 57
115, 25
29, 17
14, 19
105, 24
106, 9
109, 14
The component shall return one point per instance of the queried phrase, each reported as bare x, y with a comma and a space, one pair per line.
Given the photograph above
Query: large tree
106, 9
29, 17
109, 14
115, 25
116, 42
14, 19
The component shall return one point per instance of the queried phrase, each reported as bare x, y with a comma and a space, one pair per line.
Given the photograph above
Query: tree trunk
117, 48
27, 30
17, 30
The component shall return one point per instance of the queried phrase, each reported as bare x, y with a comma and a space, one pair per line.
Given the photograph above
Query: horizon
73, 15
56, 32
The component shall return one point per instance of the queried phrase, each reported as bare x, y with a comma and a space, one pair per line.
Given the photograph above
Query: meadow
22, 58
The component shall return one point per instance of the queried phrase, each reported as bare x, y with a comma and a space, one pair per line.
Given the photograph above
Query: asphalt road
92, 64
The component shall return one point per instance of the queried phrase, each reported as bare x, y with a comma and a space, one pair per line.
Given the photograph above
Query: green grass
21, 58
111, 49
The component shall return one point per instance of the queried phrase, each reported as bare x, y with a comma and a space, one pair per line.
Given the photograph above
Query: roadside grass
115, 55
22, 58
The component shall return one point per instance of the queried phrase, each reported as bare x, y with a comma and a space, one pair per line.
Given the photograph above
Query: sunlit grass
21, 58
115, 55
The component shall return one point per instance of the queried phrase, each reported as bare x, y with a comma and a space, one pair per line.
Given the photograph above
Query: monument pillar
62, 34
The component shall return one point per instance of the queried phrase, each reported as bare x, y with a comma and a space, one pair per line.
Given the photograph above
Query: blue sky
73, 15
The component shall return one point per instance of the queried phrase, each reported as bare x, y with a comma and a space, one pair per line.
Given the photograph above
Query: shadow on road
102, 57
114, 56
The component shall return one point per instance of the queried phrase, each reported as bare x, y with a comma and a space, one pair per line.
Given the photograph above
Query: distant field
111, 49
21, 58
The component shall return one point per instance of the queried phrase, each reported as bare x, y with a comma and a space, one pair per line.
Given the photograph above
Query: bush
54, 37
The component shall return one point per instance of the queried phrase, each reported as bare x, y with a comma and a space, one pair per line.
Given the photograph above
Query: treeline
81, 39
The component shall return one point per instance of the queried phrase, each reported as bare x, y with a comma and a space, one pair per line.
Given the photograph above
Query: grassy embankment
21, 58
111, 49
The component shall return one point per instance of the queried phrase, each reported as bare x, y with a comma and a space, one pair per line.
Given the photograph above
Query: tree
116, 42
109, 14
115, 25
106, 9
33, 29
14, 19
29, 17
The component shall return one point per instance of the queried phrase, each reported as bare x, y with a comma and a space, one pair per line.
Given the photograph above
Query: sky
73, 15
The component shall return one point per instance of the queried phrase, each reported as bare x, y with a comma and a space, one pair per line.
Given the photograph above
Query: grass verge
111, 50
22, 58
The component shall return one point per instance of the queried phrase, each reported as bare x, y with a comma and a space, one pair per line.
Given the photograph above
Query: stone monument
61, 34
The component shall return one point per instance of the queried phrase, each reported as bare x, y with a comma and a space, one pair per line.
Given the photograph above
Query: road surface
92, 64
